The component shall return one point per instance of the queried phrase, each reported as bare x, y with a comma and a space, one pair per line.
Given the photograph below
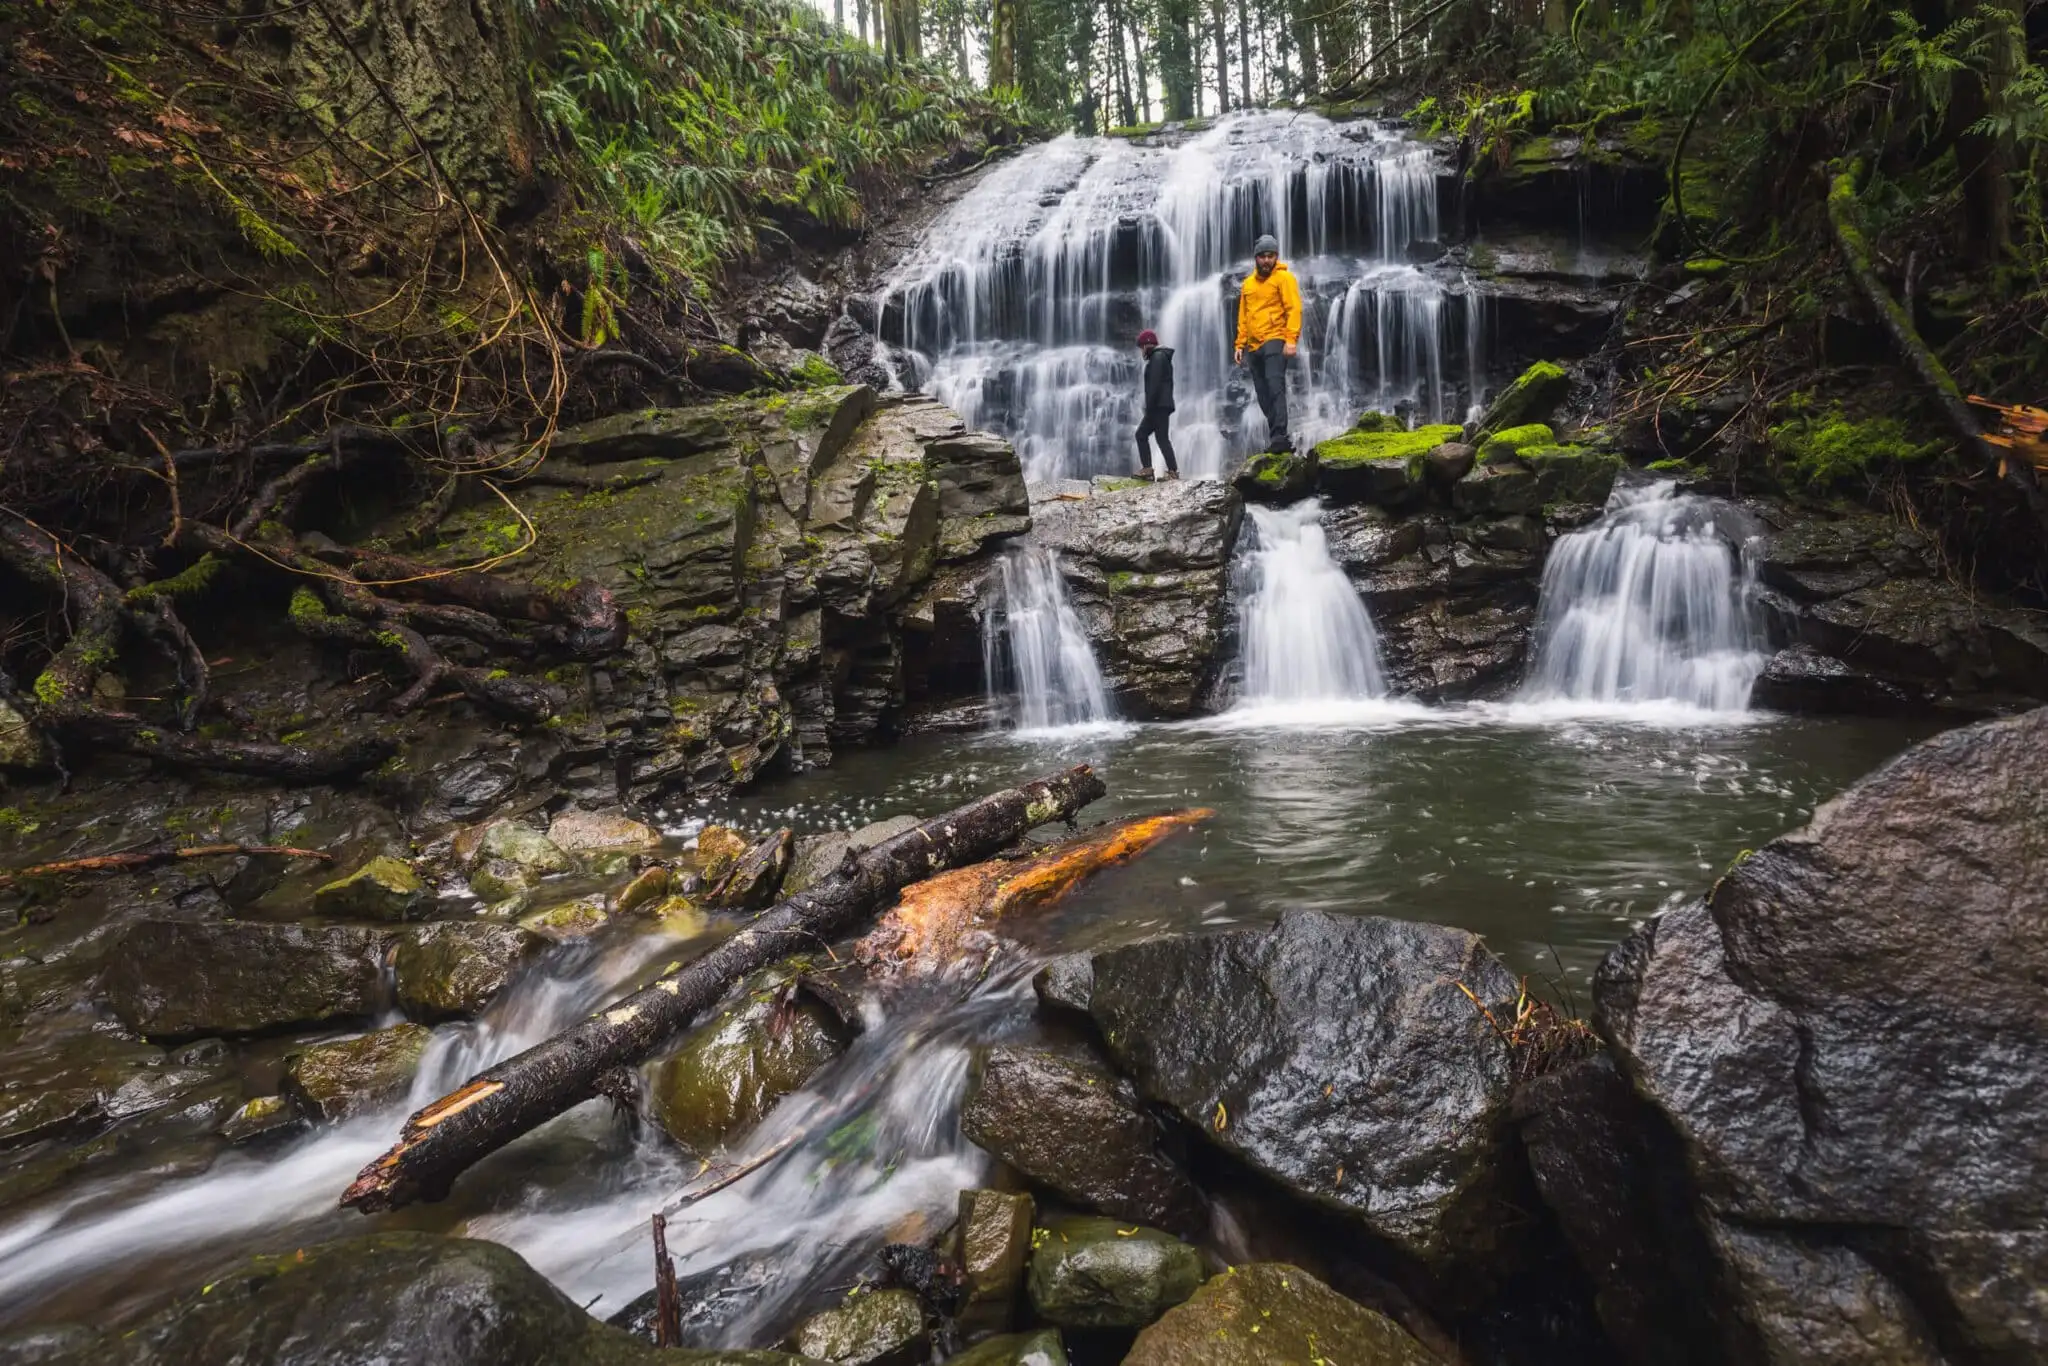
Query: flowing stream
1035, 652
1020, 306
1306, 635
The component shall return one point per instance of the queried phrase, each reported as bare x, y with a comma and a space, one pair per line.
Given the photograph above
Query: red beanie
1148, 338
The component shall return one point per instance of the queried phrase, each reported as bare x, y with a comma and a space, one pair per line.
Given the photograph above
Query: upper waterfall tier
1020, 306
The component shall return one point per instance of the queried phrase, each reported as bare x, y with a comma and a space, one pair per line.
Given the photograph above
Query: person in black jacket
1158, 405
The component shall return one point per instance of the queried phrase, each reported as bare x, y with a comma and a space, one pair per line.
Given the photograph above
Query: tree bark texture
443, 1140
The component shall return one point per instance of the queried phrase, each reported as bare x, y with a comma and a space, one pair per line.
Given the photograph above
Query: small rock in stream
594, 832
1041, 1348
873, 1328
512, 859
336, 1080
385, 888
265, 1117
454, 969
994, 1243
1098, 1273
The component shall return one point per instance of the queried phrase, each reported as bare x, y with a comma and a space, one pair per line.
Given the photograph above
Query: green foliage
1827, 450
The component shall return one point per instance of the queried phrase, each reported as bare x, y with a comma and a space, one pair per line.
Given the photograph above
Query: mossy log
443, 1140
1898, 324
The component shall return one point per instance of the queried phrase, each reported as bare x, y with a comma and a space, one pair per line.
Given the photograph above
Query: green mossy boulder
182, 979
993, 1242
1573, 474
574, 919
728, 1073
1098, 1273
454, 969
1508, 443
1271, 1314
872, 1328
1535, 397
1042, 1348
512, 860
385, 888
1383, 468
336, 1080
1378, 422
1277, 476
646, 888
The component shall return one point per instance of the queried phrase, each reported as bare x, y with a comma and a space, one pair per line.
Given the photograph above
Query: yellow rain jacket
1269, 308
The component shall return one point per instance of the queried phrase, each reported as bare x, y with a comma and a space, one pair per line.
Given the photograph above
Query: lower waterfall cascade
1036, 655
1305, 633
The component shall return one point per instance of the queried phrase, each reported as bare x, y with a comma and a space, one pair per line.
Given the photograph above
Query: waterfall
1019, 306
1051, 666
1652, 603
1306, 636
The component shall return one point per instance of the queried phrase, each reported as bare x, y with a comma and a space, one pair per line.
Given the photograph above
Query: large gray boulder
1339, 1056
184, 979
1148, 569
1849, 1039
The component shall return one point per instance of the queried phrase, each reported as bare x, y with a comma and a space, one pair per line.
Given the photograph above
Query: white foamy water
1020, 306
1653, 603
1305, 634
1035, 651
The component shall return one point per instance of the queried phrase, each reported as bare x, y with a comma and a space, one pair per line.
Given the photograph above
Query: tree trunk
1002, 43
1127, 109
839, 15
901, 35
1987, 159
1222, 56
860, 10
442, 1141
1144, 79
1244, 52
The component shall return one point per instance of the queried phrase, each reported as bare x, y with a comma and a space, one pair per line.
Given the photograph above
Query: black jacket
1159, 380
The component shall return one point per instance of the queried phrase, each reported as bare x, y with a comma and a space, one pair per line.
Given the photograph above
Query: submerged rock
1070, 1124
1270, 1314
1098, 1273
512, 859
385, 888
873, 1328
181, 979
1338, 1055
1042, 1348
1849, 1038
336, 1080
397, 1299
993, 1242
728, 1073
455, 969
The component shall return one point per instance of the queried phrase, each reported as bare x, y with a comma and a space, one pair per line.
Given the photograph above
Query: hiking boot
1282, 444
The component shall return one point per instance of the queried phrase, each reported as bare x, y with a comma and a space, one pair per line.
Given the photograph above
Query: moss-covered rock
1383, 468
1277, 476
264, 1117
1829, 449
1534, 397
993, 1242
1098, 1273
1572, 474
1497, 490
648, 887
385, 888
183, 979
1507, 443
511, 861
576, 918
598, 832
1372, 422
336, 1080
1271, 1314
1042, 1348
728, 1073
872, 1328
454, 969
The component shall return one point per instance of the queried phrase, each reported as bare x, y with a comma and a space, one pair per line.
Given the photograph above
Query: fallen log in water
442, 1141
930, 925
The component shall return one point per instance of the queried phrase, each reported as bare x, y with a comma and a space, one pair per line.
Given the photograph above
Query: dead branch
154, 858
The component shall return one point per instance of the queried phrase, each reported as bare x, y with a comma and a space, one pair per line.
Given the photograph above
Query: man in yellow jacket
1269, 327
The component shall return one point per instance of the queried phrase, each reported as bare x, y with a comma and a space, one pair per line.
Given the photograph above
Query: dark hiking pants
1155, 424
1269, 382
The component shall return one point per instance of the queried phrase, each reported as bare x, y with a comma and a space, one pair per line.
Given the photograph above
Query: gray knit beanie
1267, 242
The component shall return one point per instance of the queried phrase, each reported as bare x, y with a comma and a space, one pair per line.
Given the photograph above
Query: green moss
1830, 448
1356, 448
815, 372
1378, 422
1707, 266
1682, 468
1510, 442
184, 584
15, 821
49, 691
1119, 485
1133, 130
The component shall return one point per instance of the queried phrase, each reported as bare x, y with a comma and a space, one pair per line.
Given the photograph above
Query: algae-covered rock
264, 1117
179, 979
1277, 476
577, 918
1572, 474
1042, 1348
385, 888
1098, 1273
647, 888
1070, 1124
719, 847
336, 1080
1379, 467
728, 1073
1271, 1314
755, 878
993, 1239
1534, 397
1376, 422
1509, 441
595, 832
455, 969
872, 1328
512, 859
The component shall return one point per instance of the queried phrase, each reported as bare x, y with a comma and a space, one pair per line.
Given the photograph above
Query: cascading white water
1306, 636
1655, 602
1035, 652
1019, 307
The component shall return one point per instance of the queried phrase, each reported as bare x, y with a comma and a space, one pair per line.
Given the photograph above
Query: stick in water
445, 1139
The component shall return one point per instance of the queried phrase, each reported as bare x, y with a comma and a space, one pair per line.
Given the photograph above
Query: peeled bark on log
443, 1140
931, 925
1915, 352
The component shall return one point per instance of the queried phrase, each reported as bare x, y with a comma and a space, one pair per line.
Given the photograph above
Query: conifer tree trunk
1144, 79
1222, 56
1244, 52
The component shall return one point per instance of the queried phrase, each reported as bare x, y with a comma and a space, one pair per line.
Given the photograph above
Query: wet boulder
262, 1118
182, 979
1498, 489
1065, 983
397, 1299
1271, 1314
512, 859
872, 1328
385, 888
21, 745
1849, 1039
1071, 1125
1380, 467
455, 969
336, 1080
1338, 1055
1447, 464
576, 918
1535, 396
1508, 443
598, 832
1042, 1348
1099, 1273
992, 1245
1800, 678
1571, 473
755, 877
1277, 476
729, 1072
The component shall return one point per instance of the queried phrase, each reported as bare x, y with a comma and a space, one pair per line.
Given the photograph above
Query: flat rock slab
182, 979
1338, 1055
